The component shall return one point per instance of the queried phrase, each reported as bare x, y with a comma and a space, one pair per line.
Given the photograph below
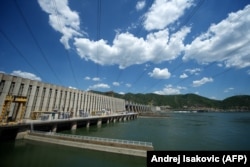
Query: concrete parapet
100, 146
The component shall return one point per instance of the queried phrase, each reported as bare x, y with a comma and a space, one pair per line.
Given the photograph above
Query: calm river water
178, 131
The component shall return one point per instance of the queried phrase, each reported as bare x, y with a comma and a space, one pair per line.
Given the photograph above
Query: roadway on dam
16, 129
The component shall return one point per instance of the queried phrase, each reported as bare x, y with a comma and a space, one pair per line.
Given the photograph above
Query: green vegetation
187, 101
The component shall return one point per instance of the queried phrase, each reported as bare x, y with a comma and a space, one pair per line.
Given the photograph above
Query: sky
147, 46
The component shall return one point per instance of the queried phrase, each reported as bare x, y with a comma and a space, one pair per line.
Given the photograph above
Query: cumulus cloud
226, 42
71, 87
116, 83
87, 78
26, 75
156, 47
193, 71
62, 19
204, 80
99, 86
248, 72
164, 12
228, 90
170, 90
140, 5
128, 85
184, 75
160, 73
96, 79
93, 79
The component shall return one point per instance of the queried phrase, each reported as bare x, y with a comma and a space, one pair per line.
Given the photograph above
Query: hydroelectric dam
29, 105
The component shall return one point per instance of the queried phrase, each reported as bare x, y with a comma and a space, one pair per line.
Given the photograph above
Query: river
178, 131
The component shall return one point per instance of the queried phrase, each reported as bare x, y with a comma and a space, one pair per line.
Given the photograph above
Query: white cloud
26, 75
228, 90
96, 79
71, 87
62, 19
87, 78
226, 42
160, 73
184, 75
193, 71
220, 65
248, 72
140, 5
116, 83
170, 90
156, 47
164, 12
93, 79
128, 85
204, 80
99, 86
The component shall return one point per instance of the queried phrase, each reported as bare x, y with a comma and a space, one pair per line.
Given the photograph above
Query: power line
67, 53
98, 29
186, 20
19, 52
210, 65
99, 13
35, 40
137, 33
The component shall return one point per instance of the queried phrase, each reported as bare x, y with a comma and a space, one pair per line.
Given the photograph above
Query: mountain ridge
185, 101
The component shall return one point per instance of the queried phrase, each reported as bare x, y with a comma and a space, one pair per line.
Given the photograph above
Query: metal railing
99, 139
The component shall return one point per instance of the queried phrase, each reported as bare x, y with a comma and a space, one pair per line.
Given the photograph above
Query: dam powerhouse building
22, 98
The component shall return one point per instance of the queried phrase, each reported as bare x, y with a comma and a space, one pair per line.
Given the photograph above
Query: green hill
241, 102
173, 101
190, 101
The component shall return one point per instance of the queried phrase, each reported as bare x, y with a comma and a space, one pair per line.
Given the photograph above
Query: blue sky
145, 46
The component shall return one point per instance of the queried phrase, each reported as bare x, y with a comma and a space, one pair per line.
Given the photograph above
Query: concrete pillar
99, 122
46, 98
74, 126
91, 103
54, 128
85, 101
58, 99
125, 118
52, 98
87, 124
114, 120
5, 90
21, 134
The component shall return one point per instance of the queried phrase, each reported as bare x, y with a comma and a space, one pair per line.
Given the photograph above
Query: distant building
22, 98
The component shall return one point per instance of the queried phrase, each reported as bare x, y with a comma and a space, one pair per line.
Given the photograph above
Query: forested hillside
240, 102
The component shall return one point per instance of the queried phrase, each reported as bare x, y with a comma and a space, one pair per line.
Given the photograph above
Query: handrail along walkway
99, 139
